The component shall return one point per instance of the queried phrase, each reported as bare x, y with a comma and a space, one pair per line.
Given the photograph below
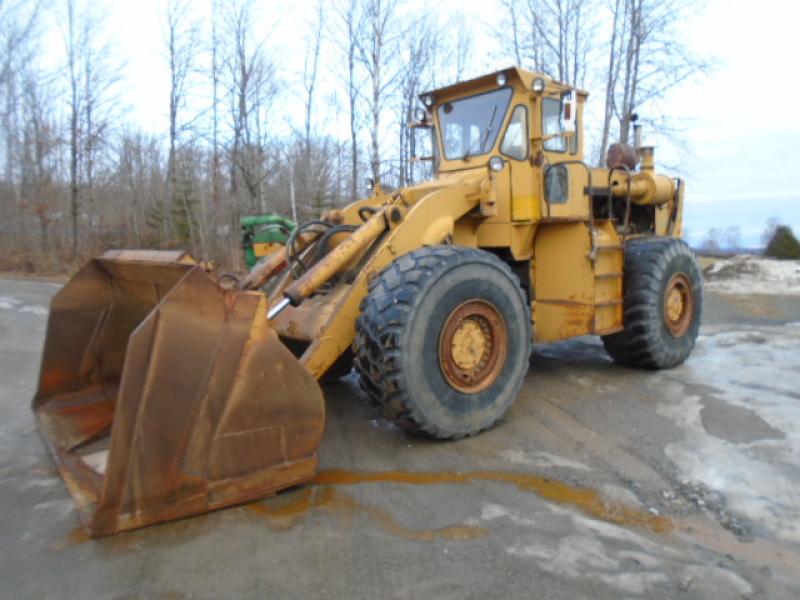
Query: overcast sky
741, 124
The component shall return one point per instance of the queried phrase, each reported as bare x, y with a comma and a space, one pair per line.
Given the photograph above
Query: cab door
515, 148
564, 176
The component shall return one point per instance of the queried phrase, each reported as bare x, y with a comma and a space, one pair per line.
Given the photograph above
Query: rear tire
663, 304
443, 342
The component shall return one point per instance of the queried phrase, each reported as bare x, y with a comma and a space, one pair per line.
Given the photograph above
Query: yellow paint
576, 261
266, 248
469, 344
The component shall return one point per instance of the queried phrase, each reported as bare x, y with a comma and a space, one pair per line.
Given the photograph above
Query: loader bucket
162, 395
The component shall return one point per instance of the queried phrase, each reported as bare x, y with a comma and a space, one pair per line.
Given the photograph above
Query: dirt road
603, 482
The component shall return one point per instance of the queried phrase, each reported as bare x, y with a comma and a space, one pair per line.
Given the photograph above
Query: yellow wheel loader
164, 394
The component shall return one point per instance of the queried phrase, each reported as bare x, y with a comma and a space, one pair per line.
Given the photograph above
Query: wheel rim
473, 346
678, 305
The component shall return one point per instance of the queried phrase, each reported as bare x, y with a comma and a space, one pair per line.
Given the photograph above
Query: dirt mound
749, 274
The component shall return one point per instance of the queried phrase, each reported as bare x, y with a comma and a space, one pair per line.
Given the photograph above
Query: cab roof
518, 74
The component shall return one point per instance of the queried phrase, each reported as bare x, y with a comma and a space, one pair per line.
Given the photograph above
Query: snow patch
721, 578
490, 512
633, 583
62, 507
541, 459
748, 274
7, 303
754, 477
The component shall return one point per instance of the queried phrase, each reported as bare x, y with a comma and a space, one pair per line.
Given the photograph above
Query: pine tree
783, 244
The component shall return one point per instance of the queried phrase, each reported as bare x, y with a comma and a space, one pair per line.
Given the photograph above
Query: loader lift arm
400, 226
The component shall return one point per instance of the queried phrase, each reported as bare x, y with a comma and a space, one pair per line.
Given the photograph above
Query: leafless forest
78, 176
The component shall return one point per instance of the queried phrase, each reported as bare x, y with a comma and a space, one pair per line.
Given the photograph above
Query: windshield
470, 126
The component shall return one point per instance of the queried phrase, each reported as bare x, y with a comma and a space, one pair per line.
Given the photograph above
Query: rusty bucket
162, 395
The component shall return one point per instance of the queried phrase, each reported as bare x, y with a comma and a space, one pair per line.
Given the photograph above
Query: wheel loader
164, 394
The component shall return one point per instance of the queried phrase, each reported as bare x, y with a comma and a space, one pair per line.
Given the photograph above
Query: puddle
587, 500
77, 536
736, 402
286, 509
284, 515
735, 424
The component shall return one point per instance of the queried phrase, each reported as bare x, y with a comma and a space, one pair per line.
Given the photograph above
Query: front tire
443, 342
663, 304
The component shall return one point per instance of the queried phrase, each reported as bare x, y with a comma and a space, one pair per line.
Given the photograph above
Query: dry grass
14, 260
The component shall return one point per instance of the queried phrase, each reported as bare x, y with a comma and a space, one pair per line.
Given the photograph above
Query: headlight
502, 79
420, 115
496, 164
538, 85
428, 100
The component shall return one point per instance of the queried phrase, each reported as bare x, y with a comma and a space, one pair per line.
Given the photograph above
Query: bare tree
308, 189
712, 242
216, 176
252, 84
181, 40
38, 155
653, 58
463, 42
611, 77
73, 44
310, 69
19, 44
346, 30
79, 184
90, 105
417, 72
19, 21
549, 36
377, 49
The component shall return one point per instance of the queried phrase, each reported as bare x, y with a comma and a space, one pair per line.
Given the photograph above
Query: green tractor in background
262, 235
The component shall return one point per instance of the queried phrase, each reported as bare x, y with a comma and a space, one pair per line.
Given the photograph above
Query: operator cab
473, 121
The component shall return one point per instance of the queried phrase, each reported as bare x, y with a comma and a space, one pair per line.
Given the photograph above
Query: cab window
551, 125
515, 141
470, 126
552, 109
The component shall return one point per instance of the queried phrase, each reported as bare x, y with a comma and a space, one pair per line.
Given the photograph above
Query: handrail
626, 221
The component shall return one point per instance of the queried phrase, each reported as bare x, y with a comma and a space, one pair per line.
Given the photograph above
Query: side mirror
568, 113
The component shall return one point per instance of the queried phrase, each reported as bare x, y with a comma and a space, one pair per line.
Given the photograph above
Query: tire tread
642, 342
386, 311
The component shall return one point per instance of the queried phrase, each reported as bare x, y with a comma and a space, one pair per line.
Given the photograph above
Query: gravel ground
627, 484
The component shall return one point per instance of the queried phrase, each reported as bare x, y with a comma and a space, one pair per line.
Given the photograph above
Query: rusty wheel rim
678, 305
473, 346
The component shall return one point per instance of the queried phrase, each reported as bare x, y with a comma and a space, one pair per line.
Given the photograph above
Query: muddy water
285, 513
286, 510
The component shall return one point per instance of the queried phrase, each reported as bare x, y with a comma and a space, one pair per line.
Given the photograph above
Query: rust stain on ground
284, 510
587, 500
284, 514
77, 536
